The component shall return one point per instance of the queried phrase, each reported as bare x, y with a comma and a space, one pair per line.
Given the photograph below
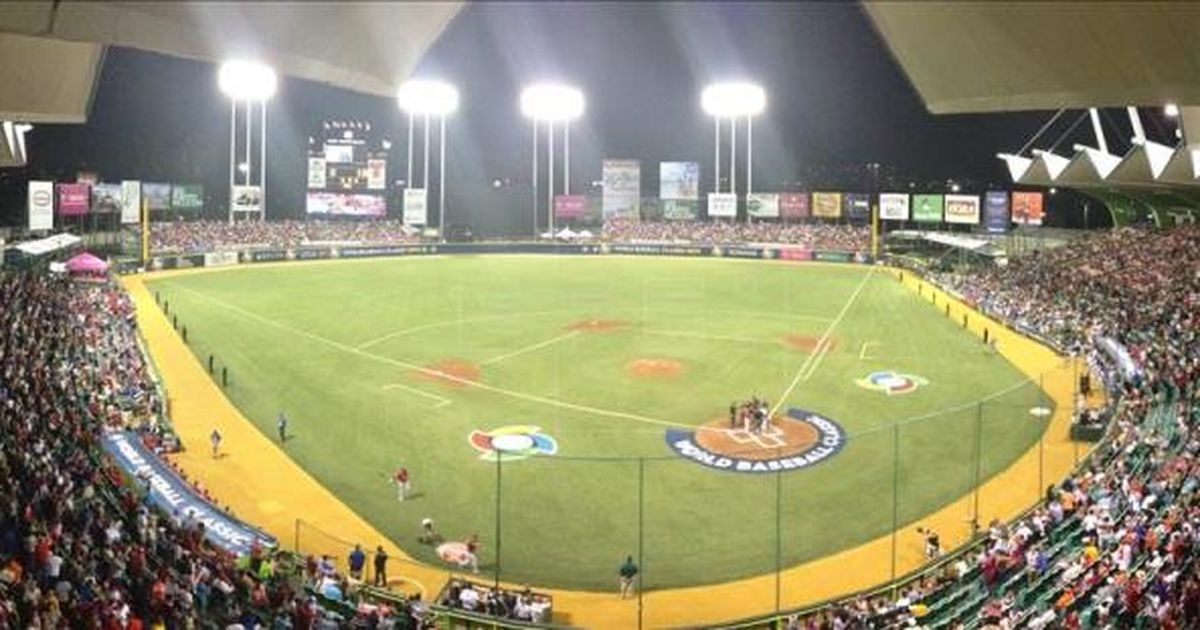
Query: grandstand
744, 401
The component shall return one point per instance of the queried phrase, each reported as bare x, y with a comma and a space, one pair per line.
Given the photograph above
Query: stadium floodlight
247, 80
426, 98
733, 100
251, 82
552, 103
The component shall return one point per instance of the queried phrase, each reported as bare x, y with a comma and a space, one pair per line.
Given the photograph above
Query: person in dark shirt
381, 559
628, 572
357, 560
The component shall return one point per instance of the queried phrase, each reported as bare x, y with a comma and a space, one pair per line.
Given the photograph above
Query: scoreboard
347, 170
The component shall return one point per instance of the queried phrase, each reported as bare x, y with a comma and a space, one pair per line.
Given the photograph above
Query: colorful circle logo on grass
512, 443
891, 383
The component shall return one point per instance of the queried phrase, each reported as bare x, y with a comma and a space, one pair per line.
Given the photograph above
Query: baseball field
571, 411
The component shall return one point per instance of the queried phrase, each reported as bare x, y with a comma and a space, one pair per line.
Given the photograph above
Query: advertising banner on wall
247, 198
570, 207
722, 204
827, 205
679, 209
794, 206
376, 174
187, 197
763, 205
856, 206
622, 188
106, 198
893, 206
927, 208
158, 196
131, 201
679, 180
962, 209
74, 199
995, 211
345, 204
415, 212
41, 205
316, 172
1027, 208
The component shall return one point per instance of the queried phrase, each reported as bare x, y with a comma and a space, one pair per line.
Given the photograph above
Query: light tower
551, 103
250, 82
428, 99
733, 101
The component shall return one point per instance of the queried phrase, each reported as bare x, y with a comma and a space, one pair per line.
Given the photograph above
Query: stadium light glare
1171, 110
427, 97
732, 100
552, 102
247, 80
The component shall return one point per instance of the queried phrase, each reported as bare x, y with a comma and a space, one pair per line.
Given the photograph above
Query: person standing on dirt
627, 573
215, 438
381, 559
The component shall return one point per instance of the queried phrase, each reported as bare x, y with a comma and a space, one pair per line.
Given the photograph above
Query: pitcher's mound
454, 373
806, 343
597, 325
647, 369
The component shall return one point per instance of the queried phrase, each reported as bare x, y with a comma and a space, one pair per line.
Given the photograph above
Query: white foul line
441, 402
809, 364
428, 371
536, 346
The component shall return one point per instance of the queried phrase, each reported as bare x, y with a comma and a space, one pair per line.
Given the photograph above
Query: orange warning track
265, 487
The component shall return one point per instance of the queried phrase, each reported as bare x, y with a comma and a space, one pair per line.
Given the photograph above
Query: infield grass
339, 347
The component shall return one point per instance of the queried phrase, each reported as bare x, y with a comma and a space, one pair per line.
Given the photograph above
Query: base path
266, 488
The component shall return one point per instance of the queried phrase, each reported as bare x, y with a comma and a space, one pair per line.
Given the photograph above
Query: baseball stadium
599, 315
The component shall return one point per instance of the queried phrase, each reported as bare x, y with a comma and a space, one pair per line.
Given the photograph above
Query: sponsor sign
220, 259
106, 198
680, 209
268, 255
131, 201
376, 174
794, 206
247, 198
187, 197
995, 211
622, 188
856, 206
158, 196
73, 199
893, 206
825, 256
762, 205
1027, 208
927, 208
41, 205
827, 205
742, 252
316, 172
512, 443
679, 180
570, 207
176, 498
722, 204
891, 383
345, 204
795, 441
962, 209
386, 250
415, 212
795, 254
659, 250
313, 253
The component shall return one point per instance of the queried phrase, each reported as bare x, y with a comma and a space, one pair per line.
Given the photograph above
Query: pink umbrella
86, 263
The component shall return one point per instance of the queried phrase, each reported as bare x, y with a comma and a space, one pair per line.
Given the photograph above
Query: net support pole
978, 457
496, 570
778, 540
895, 495
145, 217
641, 516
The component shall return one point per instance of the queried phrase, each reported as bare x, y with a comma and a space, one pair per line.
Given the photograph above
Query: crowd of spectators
524, 605
824, 236
1115, 544
81, 546
208, 236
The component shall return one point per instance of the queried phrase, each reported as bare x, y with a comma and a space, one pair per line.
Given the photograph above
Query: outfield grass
334, 345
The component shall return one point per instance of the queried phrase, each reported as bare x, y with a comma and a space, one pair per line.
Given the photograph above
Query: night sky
836, 100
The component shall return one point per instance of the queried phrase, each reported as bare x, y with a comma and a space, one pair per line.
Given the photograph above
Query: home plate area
782, 438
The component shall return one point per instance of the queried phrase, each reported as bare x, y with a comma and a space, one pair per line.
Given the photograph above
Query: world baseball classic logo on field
794, 441
512, 443
891, 383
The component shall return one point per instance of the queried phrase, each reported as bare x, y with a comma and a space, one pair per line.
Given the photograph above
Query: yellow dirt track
265, 487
